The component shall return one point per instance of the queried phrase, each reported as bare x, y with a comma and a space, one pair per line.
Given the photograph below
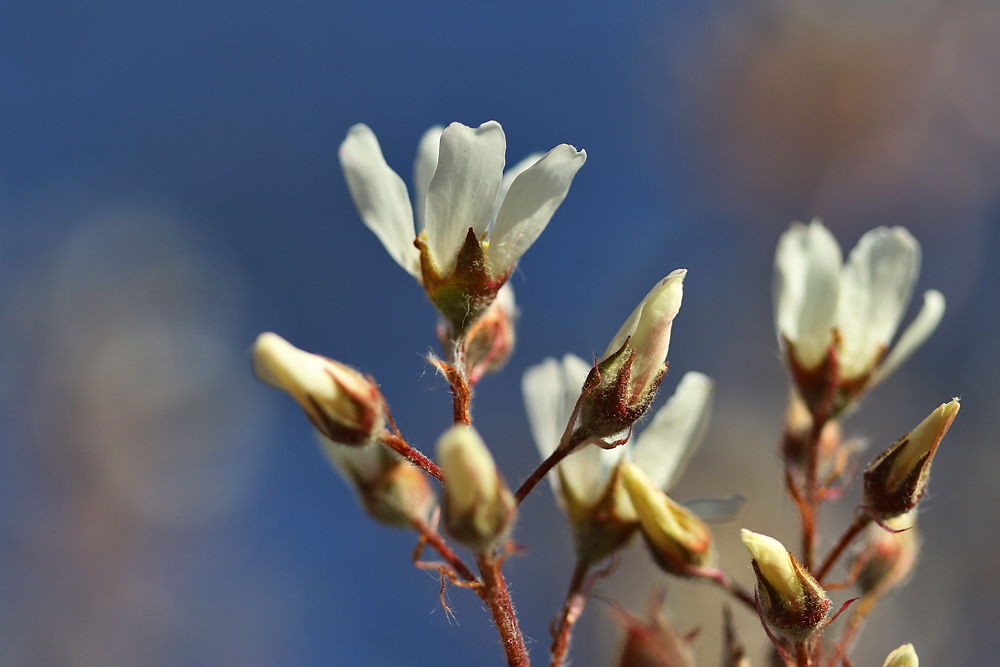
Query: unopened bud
491, 338
391, 490
889, 557
904, 656
896, 480
341, 403
677, 538
622, 385
791, 599
798, 435
478, 507
652, 642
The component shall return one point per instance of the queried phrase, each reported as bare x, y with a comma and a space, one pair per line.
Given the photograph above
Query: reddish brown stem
802, 657
807, 513
395, 442
498, 600
860, 523
539, 473
722, 580
576, 598
433, 538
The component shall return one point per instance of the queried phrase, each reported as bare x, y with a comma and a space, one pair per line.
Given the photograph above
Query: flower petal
380, 196
551, 390
913, 336
533, 197
508, 177
806, 283
423, 169
667, 443
587, 471
358, 465
650, 323
464, 188
541, 387
875, 290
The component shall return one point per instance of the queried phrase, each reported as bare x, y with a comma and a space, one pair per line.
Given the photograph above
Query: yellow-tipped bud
343, 405
677, 538
793, 602
621, 386
896, 480
904, 656
478, 507
391, 490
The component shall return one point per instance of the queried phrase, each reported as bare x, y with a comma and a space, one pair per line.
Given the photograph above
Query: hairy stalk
395, 442
498, 600
433, 538
860, 523
576, 598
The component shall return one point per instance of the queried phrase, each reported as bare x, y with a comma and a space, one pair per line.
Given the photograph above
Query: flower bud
624, 382
792, 601
889, 557
491, 338
797, 438
897, 478
478, 507
652, 642
904, 656
677, 538
391, 490
342, 404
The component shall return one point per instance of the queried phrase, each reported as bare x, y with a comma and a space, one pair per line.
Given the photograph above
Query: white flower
864, 299
460, 184
662, 449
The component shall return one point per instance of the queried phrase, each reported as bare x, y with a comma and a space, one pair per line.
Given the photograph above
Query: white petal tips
380, 196
423, 170
530, 203
913, 336
464, 188
876, 287
667, 443
806, 287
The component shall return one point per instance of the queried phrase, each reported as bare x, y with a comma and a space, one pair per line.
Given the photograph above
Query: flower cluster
460, 238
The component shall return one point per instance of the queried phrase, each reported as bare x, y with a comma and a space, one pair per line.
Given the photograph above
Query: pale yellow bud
478, 507
793, 602
677, 538
904, 656
341, 403
896, 480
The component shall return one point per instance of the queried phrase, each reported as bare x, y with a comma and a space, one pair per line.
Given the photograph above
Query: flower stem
434, 539
576, 598
539, 473
722, 580
860, 523
498, 600
395, 442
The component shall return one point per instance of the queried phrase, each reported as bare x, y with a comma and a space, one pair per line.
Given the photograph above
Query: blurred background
169, 187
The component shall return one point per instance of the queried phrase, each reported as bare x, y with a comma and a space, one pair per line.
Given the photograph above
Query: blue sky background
169, 187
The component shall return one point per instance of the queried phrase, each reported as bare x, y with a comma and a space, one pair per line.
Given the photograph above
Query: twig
498, 600
395, 442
